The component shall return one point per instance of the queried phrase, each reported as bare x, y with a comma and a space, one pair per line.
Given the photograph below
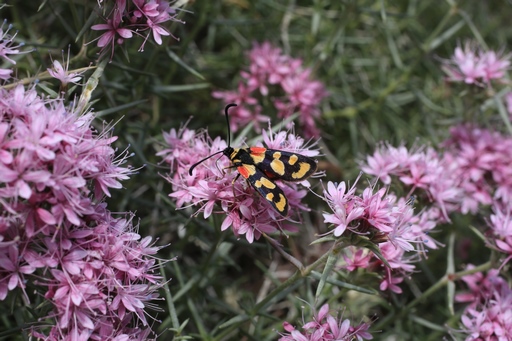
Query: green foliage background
380, 61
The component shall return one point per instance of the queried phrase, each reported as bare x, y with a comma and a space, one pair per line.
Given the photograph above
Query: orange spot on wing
243, 171
258, 150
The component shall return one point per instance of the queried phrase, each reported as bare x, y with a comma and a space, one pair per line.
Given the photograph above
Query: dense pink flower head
488, 316
295, 90
103, 280
482, 162
473, 170
56, 236
141, 18
50, 159
211, 186
428, 174
472, 65
382, 219
374, 213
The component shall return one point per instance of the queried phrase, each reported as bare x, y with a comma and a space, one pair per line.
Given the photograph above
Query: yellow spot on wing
293, 159
264, 182
269, 196
258, 158
303, 169
281, 204
277, 166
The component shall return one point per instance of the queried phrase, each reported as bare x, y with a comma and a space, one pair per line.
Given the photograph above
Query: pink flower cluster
100, 277
384, 220
296, 91
481, 160
475, 66
135, 17
55, 238
427, 174
48, 159
212, 185
326, 327
500, 223
473, 171
488, 316
7, 48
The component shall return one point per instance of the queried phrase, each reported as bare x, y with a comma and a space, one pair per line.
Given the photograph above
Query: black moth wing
269, 190
287, 166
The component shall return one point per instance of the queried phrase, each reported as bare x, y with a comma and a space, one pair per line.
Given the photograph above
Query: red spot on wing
243, 171
271, 175
258, 150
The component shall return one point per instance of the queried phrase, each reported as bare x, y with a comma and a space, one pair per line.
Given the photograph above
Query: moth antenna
206, 158
221, 151
227, 120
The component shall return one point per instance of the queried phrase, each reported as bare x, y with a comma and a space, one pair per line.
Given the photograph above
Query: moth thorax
232, 153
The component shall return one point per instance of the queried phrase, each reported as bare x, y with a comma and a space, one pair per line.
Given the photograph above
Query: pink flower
6, 44
430, 176
13, 269
356, 258
303, 95
360, 214
5, 74
474, 66
135, 17
50, 158
489, 317
296, 90
390, 283
501, 227
481, 163
382, 220
324, 326
62, 74
247, 110
465, 65
481, 286
151, 16
149, 9
495, 65
7, 48
387, 222
102, 280
214, 190
94, 270
345, 207
114, 33
383, 163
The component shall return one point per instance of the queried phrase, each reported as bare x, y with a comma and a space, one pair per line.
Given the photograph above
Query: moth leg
233, 183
